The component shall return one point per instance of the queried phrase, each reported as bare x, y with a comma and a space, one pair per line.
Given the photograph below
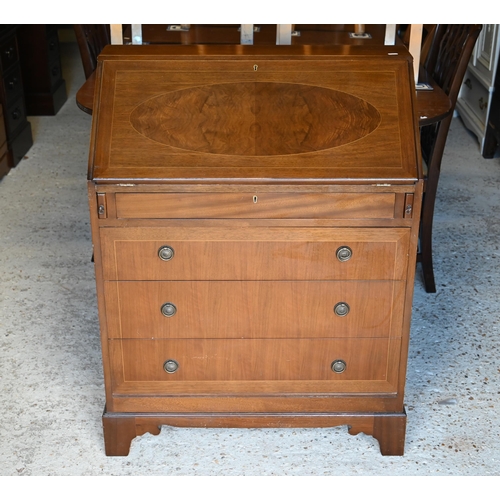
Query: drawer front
178, 362
13, 86
53, 46
255, 205
8, 53
55, 73
476, 96
16, 116
253, 309
255, 254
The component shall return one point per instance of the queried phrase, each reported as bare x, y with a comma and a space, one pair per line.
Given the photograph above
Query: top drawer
216, 253
255, 205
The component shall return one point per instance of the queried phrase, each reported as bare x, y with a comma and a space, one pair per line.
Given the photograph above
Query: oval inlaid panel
255, 119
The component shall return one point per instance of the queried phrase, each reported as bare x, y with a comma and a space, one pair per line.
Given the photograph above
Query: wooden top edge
257, 181
113, 52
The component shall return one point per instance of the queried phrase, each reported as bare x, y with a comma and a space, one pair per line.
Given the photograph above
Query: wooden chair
448, 55
91, 38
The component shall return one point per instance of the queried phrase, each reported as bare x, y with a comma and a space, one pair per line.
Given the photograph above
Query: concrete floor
51, 385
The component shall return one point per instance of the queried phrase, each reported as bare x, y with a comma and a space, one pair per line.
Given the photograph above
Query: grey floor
51, 385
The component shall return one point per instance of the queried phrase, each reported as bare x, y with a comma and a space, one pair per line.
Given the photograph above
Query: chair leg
428, 203
426, 251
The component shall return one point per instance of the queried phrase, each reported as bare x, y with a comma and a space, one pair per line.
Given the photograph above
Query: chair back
446, 63
91, 38
449, 54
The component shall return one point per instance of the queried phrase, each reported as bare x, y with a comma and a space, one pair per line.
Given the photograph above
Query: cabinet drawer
476, 96
15, 116
12, 83
254, 309
255, 205
233, 361
255, 253
8, 53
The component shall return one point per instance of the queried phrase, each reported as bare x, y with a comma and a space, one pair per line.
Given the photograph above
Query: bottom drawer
194, 366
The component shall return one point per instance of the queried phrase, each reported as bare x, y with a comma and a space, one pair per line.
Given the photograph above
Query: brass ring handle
166, 253
168, 309
468, 83
339, 366
482, 103
171, 366
341, 309
344, 253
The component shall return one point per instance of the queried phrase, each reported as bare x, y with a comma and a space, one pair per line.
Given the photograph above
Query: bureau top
254, 114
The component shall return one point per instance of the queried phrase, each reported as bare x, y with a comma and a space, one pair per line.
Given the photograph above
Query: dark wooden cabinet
17, 127
44, 86
492, 135
4, 163
255, 216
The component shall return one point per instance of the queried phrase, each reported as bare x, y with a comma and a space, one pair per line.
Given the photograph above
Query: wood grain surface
255, 205
250, 115
255, 118
254, 309
232, 253
268, 360
255, 165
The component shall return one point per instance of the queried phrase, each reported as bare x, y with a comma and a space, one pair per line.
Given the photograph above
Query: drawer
55, 73
273, 365
254, 309
53, 46
13, 86
278, 254
255, 205
15, 116
476, 96
8, 53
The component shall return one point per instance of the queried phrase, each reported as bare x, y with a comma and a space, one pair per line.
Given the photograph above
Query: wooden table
264, 34
432, 105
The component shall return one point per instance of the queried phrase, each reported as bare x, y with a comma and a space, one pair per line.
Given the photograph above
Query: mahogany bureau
255, 217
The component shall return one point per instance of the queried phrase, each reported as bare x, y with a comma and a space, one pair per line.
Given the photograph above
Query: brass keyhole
255, 199
255, 67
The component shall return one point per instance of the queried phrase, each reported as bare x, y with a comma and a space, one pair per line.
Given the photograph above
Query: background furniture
446, 63
255, 261
44, 86
18, 129
431, 106
91, 38
476, 103
4, 163
492, 136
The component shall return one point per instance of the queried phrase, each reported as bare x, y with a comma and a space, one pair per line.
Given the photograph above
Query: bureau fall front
255, 217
